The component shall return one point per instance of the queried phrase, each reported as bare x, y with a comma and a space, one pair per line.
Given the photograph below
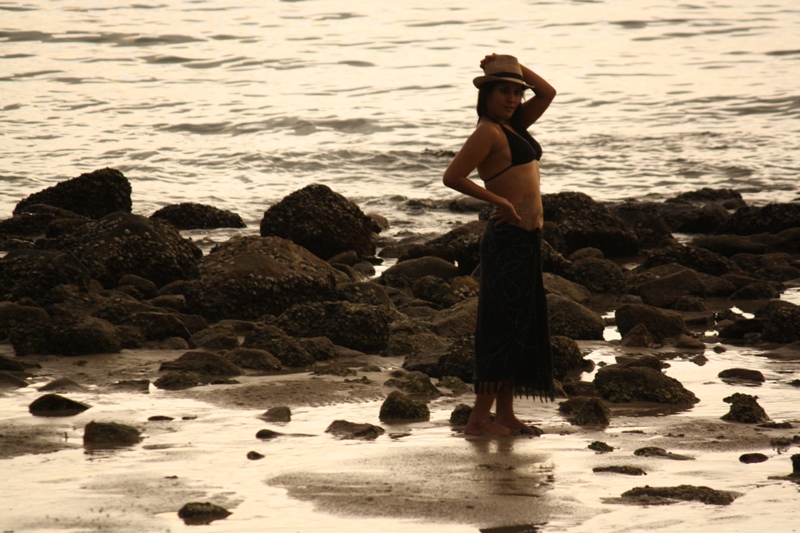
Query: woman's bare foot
517, 427
486, 427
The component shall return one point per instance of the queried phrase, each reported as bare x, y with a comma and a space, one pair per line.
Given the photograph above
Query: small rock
202, 513
134, 385
621, 469
109, 435
266, 434
277, 414
592, 413
10, 381
653, 451
665, 495
745, 409
460, 415
750, 458
177, 381
743, 374
351, 430
159, 418
600, 447
62, 385
455, 384
55, 405
415, 383
254, 456
398, 407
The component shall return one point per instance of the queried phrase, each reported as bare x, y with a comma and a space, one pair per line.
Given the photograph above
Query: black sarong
512, 336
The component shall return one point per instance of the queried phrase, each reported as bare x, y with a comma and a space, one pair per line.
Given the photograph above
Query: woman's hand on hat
488, 59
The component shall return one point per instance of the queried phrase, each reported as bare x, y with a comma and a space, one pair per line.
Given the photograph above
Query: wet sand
422, 476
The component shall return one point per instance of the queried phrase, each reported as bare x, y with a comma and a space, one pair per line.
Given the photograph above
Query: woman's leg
480, 422
505, 410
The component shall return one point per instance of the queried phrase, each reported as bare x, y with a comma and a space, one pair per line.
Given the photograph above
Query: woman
512, 341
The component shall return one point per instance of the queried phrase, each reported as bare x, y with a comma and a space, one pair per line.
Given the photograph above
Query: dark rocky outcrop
583, 222
187, 216
660, 323
218, 337
730, 245
399, 408
554, 284
34, 273
745, 409
361, 327
571, 319
109, 435
34, 221
122, 243
322, 221
93, 195
618, 384
55, 405
637, 337
771, 218
248, 277
350, 430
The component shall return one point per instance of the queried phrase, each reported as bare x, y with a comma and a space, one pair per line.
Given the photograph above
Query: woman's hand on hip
506, 213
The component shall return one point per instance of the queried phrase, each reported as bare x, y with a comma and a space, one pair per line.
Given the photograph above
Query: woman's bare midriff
520, 186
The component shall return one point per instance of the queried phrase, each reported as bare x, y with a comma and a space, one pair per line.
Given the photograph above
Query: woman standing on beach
512, 339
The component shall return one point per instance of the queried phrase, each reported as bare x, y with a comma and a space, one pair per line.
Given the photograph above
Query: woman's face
504, 99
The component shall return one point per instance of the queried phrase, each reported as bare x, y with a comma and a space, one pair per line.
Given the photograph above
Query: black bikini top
523, 147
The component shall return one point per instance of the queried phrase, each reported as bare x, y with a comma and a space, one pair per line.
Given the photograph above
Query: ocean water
238, 103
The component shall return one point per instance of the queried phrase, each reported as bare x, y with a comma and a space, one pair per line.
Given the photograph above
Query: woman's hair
483, 96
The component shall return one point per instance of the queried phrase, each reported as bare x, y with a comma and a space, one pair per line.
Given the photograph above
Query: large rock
730, 245
771, 218
745, 409
584, 222
689, 218
122, 243
621, 384
200, 362
288, 350
597, 275
660, 323
322, 221
554, 284
361, 327
567, 357
187, 216
458, 320
783, 326
66, 334
12, 315
571, 319
253, 359
34, 220
666, 291
92, 195
248, 277
34, 273
699, 259
404, 274
649, 227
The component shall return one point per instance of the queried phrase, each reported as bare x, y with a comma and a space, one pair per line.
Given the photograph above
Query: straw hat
503, 68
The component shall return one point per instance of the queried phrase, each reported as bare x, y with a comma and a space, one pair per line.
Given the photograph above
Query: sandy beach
423, 475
